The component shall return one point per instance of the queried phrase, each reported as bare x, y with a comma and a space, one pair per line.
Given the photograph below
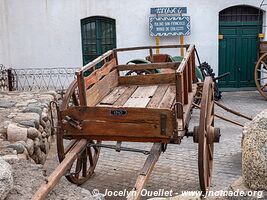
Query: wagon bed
103, 104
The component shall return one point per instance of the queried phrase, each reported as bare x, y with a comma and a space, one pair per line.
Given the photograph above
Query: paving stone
31, 109
6, 178
6, 103
16, 133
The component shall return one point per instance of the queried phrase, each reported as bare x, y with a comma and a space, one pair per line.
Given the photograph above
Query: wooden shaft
228, 120
223, 118
145, 172
232, 111
61, 169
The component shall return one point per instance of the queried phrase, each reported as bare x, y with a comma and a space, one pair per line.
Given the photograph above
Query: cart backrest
91, 89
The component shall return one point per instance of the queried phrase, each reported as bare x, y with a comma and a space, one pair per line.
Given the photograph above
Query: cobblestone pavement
177, 167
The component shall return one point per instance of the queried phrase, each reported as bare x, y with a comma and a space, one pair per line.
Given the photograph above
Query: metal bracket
74, 123
163, 124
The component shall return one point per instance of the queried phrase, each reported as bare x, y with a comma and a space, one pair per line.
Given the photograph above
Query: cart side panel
101, 88
118, 122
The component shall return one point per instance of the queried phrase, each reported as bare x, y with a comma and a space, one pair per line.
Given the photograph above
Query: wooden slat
113, 129
99, 73
168, 98
125, 96
113, 96
141, 96
150, 79
102, 88
151, 47
173, 65
156, 99
92, 64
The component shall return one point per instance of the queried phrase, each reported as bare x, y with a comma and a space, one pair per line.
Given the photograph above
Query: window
98, 36
241, 14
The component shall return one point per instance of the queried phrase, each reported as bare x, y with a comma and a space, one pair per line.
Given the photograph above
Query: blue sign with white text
169, 26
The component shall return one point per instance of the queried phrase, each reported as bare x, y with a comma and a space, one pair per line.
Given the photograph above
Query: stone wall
25, 125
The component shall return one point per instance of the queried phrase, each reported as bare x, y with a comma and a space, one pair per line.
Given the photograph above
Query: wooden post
81, 87
180, 94
185, 79
182, 42
157, 43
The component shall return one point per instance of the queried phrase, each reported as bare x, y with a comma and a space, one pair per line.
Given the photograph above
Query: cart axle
119, 148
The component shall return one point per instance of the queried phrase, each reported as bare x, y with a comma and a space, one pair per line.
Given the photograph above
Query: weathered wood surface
137, 122
99, 73
100, 89
157, 97
173, 65
141, 96
168, 98
150, 96
150, 79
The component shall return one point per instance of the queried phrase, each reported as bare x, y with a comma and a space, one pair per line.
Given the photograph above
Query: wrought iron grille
43, 79
3, 78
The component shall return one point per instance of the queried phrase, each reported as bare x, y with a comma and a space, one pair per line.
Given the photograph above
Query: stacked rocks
26, 128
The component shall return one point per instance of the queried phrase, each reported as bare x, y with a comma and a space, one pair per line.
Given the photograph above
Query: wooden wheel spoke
91, 160
84, 164
262, 71
264, 78
78, 167
210, 152
264, 85
263, 63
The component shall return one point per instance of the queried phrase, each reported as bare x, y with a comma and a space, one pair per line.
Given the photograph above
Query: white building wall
46, 33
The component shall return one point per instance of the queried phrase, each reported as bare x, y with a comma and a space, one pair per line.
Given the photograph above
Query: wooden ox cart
103, 104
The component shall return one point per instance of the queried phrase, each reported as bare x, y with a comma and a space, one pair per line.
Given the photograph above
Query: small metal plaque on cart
118, 112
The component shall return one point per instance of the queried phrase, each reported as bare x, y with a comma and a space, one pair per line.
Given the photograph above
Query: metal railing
32, 79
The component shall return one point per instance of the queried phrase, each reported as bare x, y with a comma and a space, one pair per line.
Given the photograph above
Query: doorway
239, 27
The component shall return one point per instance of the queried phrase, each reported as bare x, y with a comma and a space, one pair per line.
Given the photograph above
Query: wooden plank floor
150, 96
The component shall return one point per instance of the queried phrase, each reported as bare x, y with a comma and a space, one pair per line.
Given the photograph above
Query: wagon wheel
260, 75
83, 167
205, 134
